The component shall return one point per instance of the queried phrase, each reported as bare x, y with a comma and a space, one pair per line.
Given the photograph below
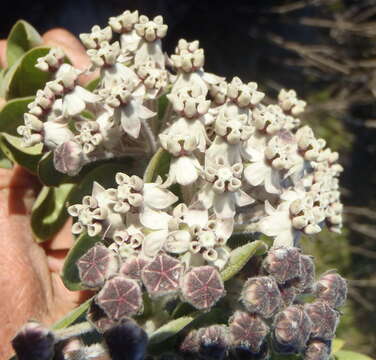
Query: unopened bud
324, 320
213, 342
120, 297
202, 287
332, 288
126, 341
132, 267
283, 263
34, 342
97, 265
292, 328
247, 331
98, 318
68, 158
307, 276
261, 295
317, 350
162, 275
189, 347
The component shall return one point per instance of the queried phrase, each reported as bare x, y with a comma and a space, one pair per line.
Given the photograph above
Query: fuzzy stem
74, 330
150, 137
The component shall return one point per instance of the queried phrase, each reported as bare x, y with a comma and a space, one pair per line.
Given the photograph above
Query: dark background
330, 65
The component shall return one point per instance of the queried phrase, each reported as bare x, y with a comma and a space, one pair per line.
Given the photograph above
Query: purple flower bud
288, 292
244, 353
132, 267
213, 342
189, 347
98, 318
317, 350
126, 341
332, 288
34, 342
261, 295
162, 275
283, 263
97, 265
292, 328
247, 331
120, 297
68, 158
324, 320
307, 276
202, 287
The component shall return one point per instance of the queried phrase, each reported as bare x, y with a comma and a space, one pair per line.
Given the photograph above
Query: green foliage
70, 275
49, 211
28, 157
47, 173
350, 355
21, 39
23, 78
240, 256
158, 166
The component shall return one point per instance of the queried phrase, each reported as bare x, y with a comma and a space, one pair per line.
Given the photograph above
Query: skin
31, 287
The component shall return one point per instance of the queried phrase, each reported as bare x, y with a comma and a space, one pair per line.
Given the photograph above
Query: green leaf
47, 173
351, 355
23, 78
240, 256
21, 39
92, 85
337, 345
27, 157
71, 317
158, 165
49, 211
70, 275
12, 114
170, 329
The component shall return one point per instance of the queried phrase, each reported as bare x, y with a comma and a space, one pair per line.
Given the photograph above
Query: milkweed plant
189, 194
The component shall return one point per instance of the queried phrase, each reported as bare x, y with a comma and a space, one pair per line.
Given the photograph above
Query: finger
72, 47
3, 53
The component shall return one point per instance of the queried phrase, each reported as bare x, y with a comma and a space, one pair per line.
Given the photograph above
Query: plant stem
150, 137
74, 330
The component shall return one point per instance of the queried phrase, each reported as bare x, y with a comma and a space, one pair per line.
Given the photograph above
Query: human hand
31, 287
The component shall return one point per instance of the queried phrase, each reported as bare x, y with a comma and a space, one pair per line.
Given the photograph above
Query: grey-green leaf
23, 78
21, 39
13, 149
170, 329
49, 211
70, 275
351, 355
240, 256
47, 173
158, 165
11, 115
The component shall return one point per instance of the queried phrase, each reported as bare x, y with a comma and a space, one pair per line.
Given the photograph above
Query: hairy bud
126, 341
202, 287
162, 275
132, 267
247, 331
261, 295
68, 158
292, 328
317, 350
97, 265
324, 320
283, 263
307, 275
98, 318
34, 342
213, 342
189, 347
120, 297
332, 288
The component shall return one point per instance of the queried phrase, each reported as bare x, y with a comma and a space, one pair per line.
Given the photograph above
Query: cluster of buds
237, 161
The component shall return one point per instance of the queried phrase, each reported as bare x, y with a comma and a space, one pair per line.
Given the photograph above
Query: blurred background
326, 50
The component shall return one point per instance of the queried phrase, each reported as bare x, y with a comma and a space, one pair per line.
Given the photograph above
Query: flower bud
306, 278
34, 342
120, 297
98, 318
213, 342
132, 267
317, 350
162, 275
292, 328
202, 287
243, 353
324, 320
288, 292
126, 341
189, 347
247, 331
261, 295
97, 265
68, 158
283, 263
331, 288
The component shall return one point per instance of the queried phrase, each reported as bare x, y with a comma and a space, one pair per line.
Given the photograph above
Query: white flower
52, 61
97, 35
56, 133
244, 94
289, 102
69, 158
89, 135
153, 79
308, 144
222, 190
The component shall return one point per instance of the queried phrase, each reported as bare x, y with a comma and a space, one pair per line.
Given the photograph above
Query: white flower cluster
239, 162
